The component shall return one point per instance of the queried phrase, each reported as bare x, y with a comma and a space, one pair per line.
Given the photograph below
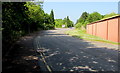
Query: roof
105, 19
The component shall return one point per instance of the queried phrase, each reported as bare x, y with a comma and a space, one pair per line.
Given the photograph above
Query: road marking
43, 58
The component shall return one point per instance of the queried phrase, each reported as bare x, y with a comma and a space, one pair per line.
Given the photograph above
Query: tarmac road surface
62, 52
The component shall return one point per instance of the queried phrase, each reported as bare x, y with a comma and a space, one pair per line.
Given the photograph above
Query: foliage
68, 22
52, 17
78, 25
83, 35
83, 17
87, 18
13, 19
110, 15
42, 19
34, 11
82, 21
21, 18
85, 23
58, 23
94, 17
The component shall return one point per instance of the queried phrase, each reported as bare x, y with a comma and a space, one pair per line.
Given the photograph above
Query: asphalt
61, 52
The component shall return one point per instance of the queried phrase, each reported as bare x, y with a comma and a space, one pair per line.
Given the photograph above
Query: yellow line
48, 67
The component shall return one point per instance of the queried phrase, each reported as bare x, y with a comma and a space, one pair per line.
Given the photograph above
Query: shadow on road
61, 52
66, 53
22, 57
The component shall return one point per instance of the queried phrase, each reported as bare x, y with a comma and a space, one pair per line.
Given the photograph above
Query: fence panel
113, 30
87, 29
90, 29
119, 30
102, 29
94, 29
108, 29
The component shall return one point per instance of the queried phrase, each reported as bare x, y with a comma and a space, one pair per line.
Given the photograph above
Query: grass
83, 35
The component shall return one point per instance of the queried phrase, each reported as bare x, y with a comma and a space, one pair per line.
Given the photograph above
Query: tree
68, 22
94, 17
19, 19
82, 21
58, 23
35, 14
52, 17
14, 22
40, 19
83, 17
78, 25
110, 15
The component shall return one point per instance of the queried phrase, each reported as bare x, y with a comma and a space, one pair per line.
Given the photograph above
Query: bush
78, 25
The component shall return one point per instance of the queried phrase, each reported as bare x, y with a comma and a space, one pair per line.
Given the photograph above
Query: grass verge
81, 34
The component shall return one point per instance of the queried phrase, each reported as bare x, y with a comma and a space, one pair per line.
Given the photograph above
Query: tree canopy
58, 23
21, 18
66, 21
110, 15
94, 17
52, 17
82, 21
87, 18
83, 17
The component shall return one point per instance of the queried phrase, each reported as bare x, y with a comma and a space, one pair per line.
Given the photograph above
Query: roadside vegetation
66, 21
81, 34
22, 18
86, 18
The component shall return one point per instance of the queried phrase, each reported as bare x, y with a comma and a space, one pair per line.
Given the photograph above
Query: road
62, 52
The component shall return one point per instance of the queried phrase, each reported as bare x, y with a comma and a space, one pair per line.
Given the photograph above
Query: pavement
61, 52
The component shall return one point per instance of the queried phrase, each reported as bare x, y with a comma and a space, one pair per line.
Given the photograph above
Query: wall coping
105, 19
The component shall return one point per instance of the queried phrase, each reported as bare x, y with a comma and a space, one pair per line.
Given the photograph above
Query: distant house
63, 26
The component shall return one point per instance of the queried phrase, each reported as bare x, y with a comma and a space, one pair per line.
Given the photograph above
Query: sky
75, 9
